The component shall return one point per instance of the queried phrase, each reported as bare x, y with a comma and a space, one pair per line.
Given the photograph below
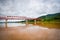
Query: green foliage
51, 17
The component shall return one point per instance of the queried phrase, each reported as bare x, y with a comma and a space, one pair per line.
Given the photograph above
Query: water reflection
2, 24
49, 25
11, 24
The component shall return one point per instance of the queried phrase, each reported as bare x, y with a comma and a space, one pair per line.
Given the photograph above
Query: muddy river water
18, 31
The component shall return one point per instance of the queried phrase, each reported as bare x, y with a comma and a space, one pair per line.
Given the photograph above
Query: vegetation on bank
51, 18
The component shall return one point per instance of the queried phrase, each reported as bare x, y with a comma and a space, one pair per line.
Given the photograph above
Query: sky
29, 8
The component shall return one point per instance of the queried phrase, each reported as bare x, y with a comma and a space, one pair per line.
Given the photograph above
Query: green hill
51, 17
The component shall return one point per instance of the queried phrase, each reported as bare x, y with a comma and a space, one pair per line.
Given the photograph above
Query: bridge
17, 18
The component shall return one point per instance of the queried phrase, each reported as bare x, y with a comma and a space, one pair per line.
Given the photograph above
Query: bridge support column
34, 21
6, 24
26, 22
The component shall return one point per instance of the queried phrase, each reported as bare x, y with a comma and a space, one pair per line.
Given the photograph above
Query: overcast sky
29, 8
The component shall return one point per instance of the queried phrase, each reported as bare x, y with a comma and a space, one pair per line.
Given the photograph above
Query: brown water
30, 32
50, 25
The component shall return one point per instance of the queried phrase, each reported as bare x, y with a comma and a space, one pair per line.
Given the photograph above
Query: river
12, 24
19, 31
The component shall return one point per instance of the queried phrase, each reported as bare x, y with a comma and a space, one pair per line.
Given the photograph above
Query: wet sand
31, 32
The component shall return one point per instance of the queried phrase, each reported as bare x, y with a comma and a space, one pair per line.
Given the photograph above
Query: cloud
29, 8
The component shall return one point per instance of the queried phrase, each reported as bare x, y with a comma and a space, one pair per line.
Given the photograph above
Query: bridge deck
15, 17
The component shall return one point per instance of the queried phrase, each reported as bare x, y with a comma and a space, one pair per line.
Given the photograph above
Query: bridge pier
6, 24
